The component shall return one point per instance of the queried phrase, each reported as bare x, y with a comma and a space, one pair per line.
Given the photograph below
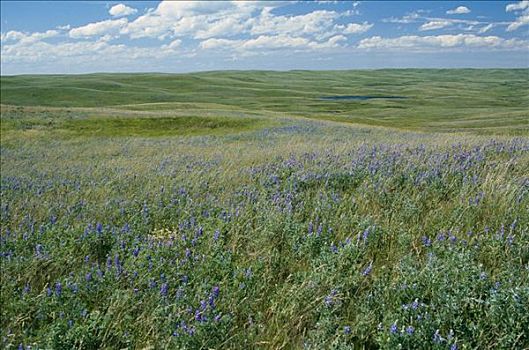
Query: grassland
238, 210
485, 101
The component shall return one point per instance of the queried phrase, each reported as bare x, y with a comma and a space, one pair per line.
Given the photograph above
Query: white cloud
12, 35
265, 43
26, 38
357, 28
179, 18
437, 24
522, 19
121, 10
204, 20
108, 26
458, 10
442, 41
486, 28
81, 51
173, 45
407, 19
315, 22
520, 6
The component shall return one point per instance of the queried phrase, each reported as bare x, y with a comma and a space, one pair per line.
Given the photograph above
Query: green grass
477, 101
116, 126
127, 199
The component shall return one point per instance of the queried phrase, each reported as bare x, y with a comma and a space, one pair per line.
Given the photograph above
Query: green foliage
486, 101
212, 227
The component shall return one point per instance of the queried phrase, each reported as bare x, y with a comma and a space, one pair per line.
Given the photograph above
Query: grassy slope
486, 101
327, 233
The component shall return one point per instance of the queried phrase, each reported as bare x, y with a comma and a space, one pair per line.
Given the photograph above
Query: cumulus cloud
121, 10
520, 21
458, 10
179, 18
442, 41
80, 51
357, 28
310, 23
27, 38
204, 20
437, 24
108, 26
265, 43
522, 8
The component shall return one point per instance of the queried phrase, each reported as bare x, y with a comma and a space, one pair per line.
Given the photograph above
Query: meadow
239, 210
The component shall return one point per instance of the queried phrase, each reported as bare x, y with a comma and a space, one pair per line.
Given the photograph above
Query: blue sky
183, 36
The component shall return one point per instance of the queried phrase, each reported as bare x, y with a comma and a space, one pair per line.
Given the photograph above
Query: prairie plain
242, 209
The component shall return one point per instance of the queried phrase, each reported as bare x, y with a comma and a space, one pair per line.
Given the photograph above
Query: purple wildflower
410, 330
215, 291
58, 289
164, 289
393, 328
347, 330
368, 269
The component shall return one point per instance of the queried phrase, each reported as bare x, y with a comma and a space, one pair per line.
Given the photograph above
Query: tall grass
302, 234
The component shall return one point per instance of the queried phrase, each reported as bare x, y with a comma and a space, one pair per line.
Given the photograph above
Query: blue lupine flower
216, 235
365, 235
216, 291
393, 328
426, 241
453, 347
99, 227
329, 299
38, 250
347, 330
88, 276
415, 304
198, 316
410, 330
164, 289
58, 289
368, 269
49, 292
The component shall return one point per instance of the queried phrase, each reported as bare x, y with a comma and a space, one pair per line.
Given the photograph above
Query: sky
71, 37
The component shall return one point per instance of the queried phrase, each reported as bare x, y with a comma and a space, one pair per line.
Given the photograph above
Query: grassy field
238, 210
484, 101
